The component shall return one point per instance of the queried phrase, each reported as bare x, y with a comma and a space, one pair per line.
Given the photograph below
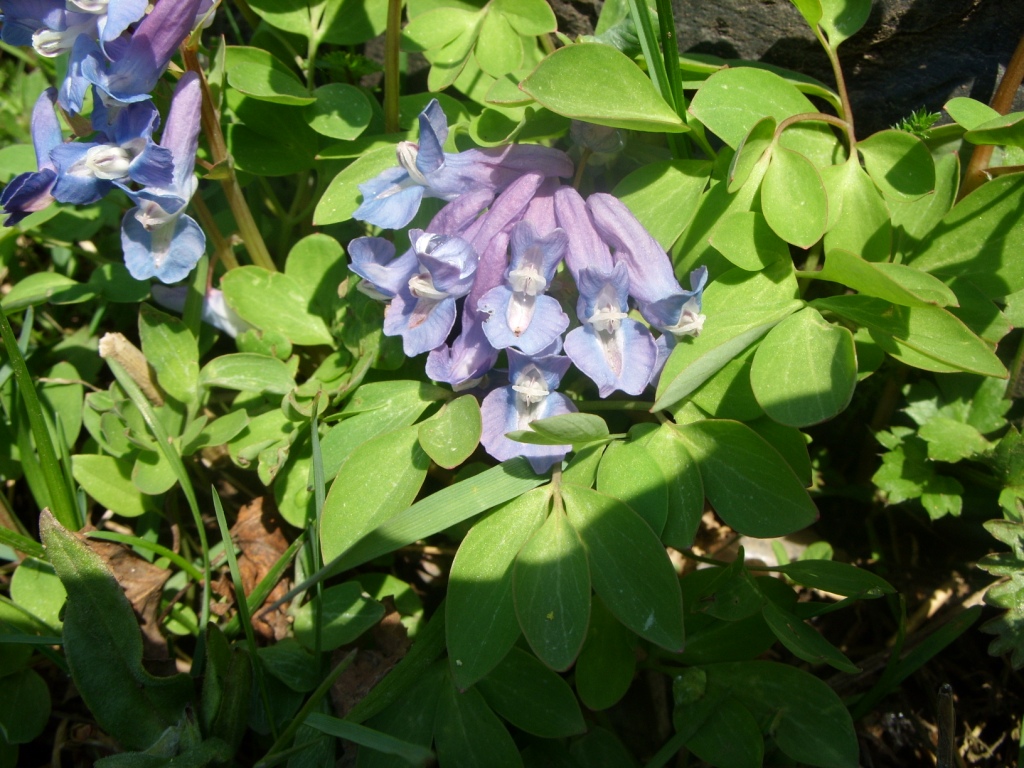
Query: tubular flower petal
392, 199
530, 395
30, 192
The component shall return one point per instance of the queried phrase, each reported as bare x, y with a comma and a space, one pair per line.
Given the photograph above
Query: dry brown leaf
143, 584
260, 538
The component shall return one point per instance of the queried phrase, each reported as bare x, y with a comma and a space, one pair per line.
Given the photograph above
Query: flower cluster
119, 52
488, 263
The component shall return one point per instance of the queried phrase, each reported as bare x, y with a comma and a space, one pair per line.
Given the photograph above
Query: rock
911, 53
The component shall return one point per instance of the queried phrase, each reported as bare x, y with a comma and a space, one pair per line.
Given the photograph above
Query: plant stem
247, 228
221, 247
976, 172
844, 96
391, 73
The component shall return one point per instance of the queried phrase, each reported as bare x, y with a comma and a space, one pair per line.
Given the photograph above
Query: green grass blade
22, 544
243, 611
166, 447
438, 511
62, 500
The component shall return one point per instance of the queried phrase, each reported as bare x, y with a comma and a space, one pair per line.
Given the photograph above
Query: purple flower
652, 281
521, 315
23, 18
132, 71
86, 171
30, 192
471, 354
158, 238
615, 351
423, 311
373, 258
112, 17
531, 395
586, 248
392, 199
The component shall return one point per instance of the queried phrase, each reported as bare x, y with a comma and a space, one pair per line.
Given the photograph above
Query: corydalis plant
498, 295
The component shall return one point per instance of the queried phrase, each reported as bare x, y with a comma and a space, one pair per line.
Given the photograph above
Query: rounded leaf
805, 370
793, 198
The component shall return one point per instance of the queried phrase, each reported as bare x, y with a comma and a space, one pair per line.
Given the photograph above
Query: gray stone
910, 54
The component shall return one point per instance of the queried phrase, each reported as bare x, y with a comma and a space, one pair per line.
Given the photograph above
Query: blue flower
392, 199
423, 310
86, 171
530, 395
30, 192
521, 315
652, 281
132, 70
158, 238
615, 351
373, 259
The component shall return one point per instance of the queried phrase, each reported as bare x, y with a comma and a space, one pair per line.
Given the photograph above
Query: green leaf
24, 707
727, 734
807, 720
803, 641
1005, 130
340, 111
379, 407
217, 432
897, 283
950, 440
499, 48
345, 614
247, 289
858, 220
345, 22
745, 239
970, 113
749, 484
664, 196
529, 17
153, 473
378, 480
565, 429
805, 370
628, 565
532, 697
248, 373
979, 239
103, 647
842, 19
480, 618
551, 585
793, 198
109, 481
41, 287
931, 331
836, 577
599, 84
368, 738
256, 73
437, 28
451, 437
605, 667
741, 307
914, 220
36, 588
899, 163
733, 100
727, 394
810, 10
342, 196
685, 488
172, 352
468, 733
751, 150
630, 473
